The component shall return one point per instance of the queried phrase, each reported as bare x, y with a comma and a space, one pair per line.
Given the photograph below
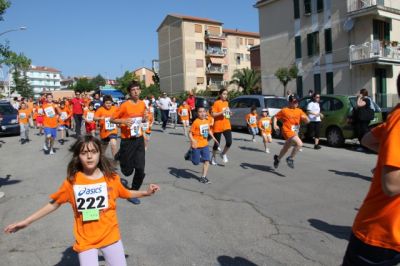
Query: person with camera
362, 115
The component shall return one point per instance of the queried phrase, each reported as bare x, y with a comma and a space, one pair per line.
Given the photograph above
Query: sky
90, 37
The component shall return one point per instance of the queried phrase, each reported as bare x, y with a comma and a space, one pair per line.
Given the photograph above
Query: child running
39, 118
51, 112
108, 130
291, 117
24, 115
88, 115
95, 216
251, 120
198, 135
185, 115
264, 124
64, 121
147, 124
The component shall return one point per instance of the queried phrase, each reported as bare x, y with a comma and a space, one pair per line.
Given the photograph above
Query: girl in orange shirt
264, 124
40, 118
91, 187
185, 114
251, 120
64, 121
90, 124
24, 115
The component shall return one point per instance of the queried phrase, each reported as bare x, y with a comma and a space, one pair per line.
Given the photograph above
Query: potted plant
395, 43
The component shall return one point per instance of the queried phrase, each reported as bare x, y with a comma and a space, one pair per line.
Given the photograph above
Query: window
381, 30
250, 42
199, 63
328, 41
325, 104
329, 83
241, 41
307, 7
200, 80
199, 46
213, 30
313, 43
299, 86
320, 5
143, 78
317, 83
248, 57
297, 42
237, 42
239, 58
277, 103
296, 6
244, 103
336, 105
198, 28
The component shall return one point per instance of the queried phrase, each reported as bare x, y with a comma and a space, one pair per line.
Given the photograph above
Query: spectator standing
163, 104
362, 115
191, 101
315, 116
77, 112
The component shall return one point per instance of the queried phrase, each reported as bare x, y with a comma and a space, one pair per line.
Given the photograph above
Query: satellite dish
348, 24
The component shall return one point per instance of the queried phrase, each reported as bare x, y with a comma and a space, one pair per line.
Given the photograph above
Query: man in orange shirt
375, 238
50, 123
131, 153
291, 118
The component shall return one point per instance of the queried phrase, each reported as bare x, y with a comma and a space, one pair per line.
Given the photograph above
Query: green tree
4, 4
19, 64
84, 84
248, 80
125, 80
150, 90
156, 79
98, 81
285, 75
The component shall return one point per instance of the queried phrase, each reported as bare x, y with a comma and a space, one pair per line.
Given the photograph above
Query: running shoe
266, 150
224, 158
187, 155
290, 162
213, 161
2, 194
254, 140
52, 152
317, 147
135, 201
276, 161
206, 181
45, 147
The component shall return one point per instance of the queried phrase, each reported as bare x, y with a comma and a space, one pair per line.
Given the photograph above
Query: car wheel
335, 137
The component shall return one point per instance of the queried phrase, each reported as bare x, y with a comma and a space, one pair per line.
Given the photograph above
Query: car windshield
277, 103
6, 109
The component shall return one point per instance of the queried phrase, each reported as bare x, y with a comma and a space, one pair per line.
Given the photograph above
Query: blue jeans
164, 118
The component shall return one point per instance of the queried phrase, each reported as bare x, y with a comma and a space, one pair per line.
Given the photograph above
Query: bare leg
205, 168
285, 148
298, 144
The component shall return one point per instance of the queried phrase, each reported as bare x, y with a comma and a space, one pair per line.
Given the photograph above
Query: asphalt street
249, 215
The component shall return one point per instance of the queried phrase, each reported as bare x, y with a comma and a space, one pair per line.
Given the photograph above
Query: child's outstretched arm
142, 193
47, 209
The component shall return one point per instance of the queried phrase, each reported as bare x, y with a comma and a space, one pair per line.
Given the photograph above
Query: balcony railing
375, 51
215, 70
210, 35
356, 5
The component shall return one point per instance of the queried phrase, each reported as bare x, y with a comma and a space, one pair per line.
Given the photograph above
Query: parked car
202, 101
240, 107
336, 126
8, 119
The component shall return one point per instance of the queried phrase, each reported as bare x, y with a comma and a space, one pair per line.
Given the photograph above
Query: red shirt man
77, 104
191, 101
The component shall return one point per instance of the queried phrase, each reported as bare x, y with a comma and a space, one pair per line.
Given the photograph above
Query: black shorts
132, 155
314, 129
107, 140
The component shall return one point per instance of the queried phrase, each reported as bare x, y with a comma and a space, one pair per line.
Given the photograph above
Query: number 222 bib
90, 199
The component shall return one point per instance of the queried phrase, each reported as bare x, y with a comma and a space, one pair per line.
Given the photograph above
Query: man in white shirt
164, 103
315, 116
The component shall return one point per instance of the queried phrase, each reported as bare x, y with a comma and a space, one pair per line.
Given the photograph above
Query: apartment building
145, 75
198, 53
339, 47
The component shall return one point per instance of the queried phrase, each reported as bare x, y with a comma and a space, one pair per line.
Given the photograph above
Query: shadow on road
261, 167
182, 173
236, 261
241, 139
351, 174
177, 134
69, 257
4, 181
250, 149
338, 231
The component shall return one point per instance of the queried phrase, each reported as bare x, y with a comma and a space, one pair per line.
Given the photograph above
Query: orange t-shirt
291, 118
106, 127
89, 115
64, 118
30, 106
221, 122
200, 130
210, 121
150, 120
98, 233
183, 112
50, 115
251, 120
23, 116
136, 112
264, 124
378, 220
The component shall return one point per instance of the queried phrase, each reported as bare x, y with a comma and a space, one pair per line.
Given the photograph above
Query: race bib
89, 199
145, 126
108, 124
50, 111
22, 115
40, 111
90, 116
265, 124
295, 128
184, 112
136, 127
152, 109
63, 116
227, 113
97, 105
204, 130
252, 120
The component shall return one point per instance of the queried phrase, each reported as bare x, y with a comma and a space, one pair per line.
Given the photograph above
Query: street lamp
10, 30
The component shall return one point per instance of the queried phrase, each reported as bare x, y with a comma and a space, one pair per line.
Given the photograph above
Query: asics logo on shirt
90, 191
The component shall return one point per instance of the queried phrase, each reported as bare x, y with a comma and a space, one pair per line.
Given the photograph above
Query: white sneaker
213, 161
266, 150
254, 140
2, 194
300, 150
52, 152
224, 158
45, 147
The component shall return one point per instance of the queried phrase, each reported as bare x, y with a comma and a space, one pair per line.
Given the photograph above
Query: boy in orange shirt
264, 124
108, 130
251, 120
185, 115
24, 115
90, 124
40, 118
51, 112
291, 117
198, 135
64, 120
146, 126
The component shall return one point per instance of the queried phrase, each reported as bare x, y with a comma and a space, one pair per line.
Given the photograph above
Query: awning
218, 61
113, 93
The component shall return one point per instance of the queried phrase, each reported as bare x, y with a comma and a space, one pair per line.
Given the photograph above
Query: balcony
218, 52
384, 8
215, 70
214, 36
374, 52
216, 85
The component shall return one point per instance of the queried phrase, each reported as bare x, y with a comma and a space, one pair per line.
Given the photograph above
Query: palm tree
285, 75
248, 79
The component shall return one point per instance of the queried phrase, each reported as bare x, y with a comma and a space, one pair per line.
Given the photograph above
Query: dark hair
62, 103
198, 108
364, 92
253, 108
314, 95
133, 84
398, 85
49, 94
75, 165
220, 92
107, 98
91, 104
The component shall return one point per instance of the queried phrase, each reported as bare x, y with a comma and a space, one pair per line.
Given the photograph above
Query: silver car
240, 107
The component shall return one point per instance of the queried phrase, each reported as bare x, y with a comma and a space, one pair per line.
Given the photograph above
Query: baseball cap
293, 98
264, 110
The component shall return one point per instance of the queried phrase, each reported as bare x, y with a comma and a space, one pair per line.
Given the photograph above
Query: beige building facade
339, 47
145, 75
198, 53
